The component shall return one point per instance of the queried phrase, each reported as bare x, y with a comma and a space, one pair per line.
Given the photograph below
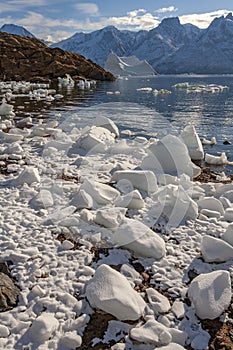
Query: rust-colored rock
24, 58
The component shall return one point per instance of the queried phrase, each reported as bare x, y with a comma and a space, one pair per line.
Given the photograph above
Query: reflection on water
211, 113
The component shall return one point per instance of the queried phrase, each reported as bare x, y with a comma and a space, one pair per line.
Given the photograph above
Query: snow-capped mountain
99, 44
14, 29
210, 53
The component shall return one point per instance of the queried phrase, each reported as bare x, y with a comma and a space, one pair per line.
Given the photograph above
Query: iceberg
124, 66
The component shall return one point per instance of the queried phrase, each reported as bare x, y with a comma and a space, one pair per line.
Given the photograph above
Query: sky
55, 20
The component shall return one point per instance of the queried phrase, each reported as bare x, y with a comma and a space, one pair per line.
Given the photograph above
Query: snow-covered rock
193, 142
136, 236
101, 193
215, 249
110, 291
144, 180
15, 29
170, 156
210, 294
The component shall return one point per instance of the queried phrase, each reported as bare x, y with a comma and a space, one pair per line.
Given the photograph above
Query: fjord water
147, 114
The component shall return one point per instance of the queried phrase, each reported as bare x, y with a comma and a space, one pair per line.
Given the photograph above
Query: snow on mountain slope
210, 53
14, 29
99, 44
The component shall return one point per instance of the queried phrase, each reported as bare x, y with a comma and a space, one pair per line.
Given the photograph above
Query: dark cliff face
24, 58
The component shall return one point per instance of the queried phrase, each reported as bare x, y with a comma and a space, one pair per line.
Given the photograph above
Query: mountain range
170, 48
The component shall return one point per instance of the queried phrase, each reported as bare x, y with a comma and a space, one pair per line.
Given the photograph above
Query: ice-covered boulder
28, 176
175, 205
43, 327
136, 236
144, 180
228, 235
131, 200
110, 217
108, 124
101, 193
152, 332
111, 292
170, 156
216, 160
215, 249
193, 142
210, 294
211, 203
95, 139
82, 200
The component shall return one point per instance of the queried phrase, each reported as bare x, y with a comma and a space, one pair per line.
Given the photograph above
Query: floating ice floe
216, 160
67, 81
145, 89
211, 88
110, 291
210, 294
193, 142
211, 142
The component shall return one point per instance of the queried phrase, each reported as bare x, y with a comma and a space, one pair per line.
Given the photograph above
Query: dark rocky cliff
24, 58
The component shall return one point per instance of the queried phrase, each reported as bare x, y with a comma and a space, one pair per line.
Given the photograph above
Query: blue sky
58, 19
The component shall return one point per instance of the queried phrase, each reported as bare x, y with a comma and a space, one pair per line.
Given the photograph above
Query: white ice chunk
151, 332
193, 142
211, 203
228, 235
141, 179
134, 235
132, 200
170, 155
107, 123
43, 328
216, 160
101, 193
228, 214
28, 175
71, 340
178, 336
43, 199
110, 217
82, 200
215, 249
178, 309
95, 139
171, 346
210, 294
159, 302
111, 292
4, 331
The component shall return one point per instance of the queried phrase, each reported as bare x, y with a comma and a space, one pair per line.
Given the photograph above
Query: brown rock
27, 58
8, 293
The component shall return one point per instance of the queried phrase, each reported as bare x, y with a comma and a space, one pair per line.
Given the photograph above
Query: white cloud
166, 9
17, 5
89, 8
202, 20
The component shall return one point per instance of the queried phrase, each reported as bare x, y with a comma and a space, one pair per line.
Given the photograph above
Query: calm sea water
148, 114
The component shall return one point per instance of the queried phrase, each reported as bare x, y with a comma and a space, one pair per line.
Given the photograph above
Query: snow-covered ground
164, 241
